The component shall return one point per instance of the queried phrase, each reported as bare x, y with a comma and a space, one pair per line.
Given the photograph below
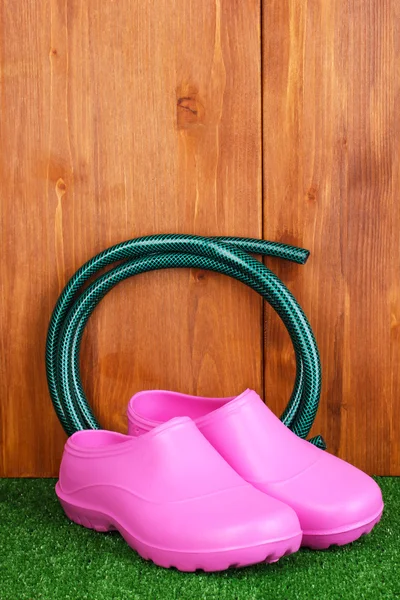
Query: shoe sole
322, 541
220, 560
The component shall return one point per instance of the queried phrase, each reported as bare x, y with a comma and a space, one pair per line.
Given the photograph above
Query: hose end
318, 441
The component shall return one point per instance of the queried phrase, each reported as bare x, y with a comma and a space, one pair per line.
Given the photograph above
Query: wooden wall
331, 157
121, 119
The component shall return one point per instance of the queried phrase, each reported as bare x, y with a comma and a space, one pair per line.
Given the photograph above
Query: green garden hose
226, 255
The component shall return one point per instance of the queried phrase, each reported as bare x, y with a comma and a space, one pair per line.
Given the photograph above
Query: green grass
43, 555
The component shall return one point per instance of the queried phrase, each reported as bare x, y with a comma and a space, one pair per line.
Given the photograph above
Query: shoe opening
162, 405
97, 438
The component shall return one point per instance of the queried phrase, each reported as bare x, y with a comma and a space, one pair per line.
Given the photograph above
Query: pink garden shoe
173, 498
336, 503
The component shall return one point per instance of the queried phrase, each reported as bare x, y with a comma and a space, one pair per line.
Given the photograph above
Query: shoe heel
86, 517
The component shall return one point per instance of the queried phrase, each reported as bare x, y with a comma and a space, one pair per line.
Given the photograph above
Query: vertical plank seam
263, 323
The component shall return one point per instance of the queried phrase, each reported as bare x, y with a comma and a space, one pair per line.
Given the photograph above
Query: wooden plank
331, 74
120, 120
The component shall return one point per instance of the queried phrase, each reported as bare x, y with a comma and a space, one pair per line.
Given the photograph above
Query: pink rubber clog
173, 498
336, 503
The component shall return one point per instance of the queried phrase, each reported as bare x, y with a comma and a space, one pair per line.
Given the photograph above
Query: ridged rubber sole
340, 538
221, 560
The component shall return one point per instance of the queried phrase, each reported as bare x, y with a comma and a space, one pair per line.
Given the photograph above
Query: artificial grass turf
43, 555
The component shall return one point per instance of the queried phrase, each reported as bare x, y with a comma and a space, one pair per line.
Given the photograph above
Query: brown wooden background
121, 119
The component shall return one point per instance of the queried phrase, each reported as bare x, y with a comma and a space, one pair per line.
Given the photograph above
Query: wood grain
129, 118
121, 119
331, 88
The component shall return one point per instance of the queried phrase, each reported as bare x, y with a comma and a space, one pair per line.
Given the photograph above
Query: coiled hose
227, 255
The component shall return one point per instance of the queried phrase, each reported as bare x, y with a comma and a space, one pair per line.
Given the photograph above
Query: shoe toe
239, 518
331, 495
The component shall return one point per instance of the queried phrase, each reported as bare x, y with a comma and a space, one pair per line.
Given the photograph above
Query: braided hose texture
227, 255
